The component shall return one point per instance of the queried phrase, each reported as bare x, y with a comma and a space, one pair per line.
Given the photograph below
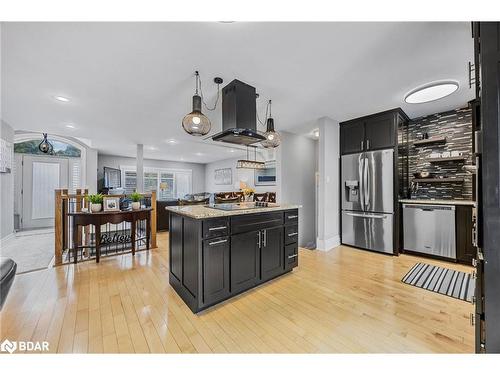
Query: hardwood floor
341, 301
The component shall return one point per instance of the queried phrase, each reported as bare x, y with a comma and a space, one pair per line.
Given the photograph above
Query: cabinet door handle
293, 256
258, 236
367, 144
472, 319
216, 242
362, 145
216, 228
292, 234
265, 237
293, 216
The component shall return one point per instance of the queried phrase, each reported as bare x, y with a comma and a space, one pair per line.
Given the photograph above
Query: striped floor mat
441, 280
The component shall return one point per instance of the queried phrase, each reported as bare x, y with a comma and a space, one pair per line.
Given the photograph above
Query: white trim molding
328, 243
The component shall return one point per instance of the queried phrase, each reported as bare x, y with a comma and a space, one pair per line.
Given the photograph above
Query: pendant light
196, 123
273, 138
45, 146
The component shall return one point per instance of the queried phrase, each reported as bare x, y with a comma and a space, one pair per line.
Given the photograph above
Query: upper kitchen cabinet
352, 137
373, 132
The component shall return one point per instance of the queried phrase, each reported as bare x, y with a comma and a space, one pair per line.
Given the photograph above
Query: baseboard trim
327, 244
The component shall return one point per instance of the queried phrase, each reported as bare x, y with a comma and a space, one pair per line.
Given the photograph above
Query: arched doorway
37, 175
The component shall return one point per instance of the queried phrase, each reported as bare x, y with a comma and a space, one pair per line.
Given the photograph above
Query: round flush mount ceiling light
430, 92
61, 99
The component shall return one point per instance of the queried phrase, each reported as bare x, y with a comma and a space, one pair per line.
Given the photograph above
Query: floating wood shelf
428, 141
442, 160
429, 180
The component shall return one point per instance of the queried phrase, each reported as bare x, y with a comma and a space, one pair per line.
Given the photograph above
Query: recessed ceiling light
430, 92
152, 148
171, 141
199, 154
62, 99
70, 126
232, 150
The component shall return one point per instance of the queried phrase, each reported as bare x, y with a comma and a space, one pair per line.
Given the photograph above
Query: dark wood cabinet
272, 253
465, 249
380, 132
352, 137
374, 132
213, 259
215, 270
176, 230
245, 260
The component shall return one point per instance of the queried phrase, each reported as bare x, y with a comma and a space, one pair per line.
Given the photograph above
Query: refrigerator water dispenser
352, 191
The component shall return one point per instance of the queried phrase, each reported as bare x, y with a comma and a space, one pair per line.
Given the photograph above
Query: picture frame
111, 204
223, 176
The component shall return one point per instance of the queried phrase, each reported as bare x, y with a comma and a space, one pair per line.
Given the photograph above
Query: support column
328, 189
140, 168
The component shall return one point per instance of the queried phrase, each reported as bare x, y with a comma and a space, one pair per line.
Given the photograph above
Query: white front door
41, 176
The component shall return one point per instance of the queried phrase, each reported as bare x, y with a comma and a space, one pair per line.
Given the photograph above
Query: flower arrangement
248, 191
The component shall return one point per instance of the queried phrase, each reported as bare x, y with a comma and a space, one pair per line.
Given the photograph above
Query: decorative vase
136, 205
95, 207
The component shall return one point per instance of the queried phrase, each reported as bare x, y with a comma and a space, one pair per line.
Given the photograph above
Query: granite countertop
439, 201
203, 212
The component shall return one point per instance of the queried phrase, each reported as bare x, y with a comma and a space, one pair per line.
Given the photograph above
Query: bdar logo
8, 346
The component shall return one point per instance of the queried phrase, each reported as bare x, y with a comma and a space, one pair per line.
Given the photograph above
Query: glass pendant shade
45, 146
273, 138
196, 123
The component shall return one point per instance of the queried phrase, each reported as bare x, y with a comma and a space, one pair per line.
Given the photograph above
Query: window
130, 182
168, 183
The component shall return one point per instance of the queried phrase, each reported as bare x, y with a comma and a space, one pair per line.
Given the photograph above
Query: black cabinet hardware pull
217, 242
216, 228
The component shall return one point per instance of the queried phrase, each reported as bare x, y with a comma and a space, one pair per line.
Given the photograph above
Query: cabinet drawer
248, 223
291, 256
218, 227
291, 234
291, 216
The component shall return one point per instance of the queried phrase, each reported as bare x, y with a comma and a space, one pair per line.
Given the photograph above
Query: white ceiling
132, 83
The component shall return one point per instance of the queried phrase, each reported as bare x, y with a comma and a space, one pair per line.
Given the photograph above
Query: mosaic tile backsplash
456, 126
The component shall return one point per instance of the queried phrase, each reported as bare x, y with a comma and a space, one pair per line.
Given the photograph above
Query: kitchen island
215, 254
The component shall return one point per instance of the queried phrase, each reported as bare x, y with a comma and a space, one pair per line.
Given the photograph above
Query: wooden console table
112, 217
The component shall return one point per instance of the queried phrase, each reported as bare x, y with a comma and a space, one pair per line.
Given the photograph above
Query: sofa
7, 274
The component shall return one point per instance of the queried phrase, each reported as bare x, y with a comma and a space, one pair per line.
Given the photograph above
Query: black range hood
239, 121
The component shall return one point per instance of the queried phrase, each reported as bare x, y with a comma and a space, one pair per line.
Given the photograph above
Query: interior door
41, 176
490, 181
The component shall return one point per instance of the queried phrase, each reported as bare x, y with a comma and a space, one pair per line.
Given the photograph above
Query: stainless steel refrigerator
368, 200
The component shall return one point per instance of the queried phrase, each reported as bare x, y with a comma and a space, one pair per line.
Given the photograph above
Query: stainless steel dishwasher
430, 229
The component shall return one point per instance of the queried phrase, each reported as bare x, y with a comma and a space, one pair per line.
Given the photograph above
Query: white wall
7, 189
91, 170
328, 200
114, 161
245, 175
296, 165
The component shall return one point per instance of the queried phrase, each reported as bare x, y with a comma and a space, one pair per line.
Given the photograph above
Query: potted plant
95, 202
136, 200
